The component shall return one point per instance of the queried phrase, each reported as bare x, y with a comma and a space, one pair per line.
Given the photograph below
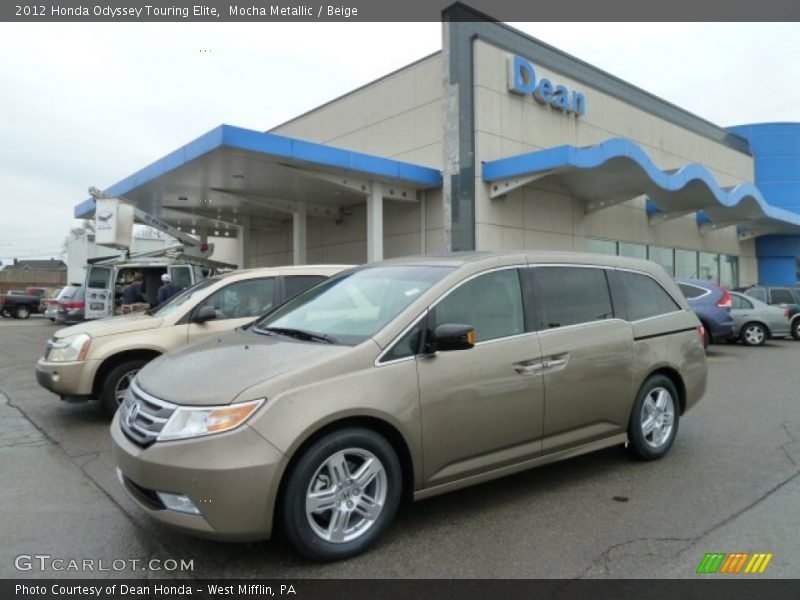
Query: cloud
88, 104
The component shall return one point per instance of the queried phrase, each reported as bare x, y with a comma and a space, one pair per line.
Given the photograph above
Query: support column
244, 242
375, 223
299, 234
423, 223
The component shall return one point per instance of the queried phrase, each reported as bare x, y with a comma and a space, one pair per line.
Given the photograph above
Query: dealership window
664, 257
708, 266
686, 263
633, 250
721, 268
728, 271
601, 247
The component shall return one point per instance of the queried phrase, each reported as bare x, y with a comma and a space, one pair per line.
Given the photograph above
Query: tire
796, 328
5, 313
22, 312
753, 334
116, 382
341, 456
655, 443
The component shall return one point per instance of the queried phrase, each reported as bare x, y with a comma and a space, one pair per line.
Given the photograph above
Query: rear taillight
701, 333
72, 305
725, 301
787, 313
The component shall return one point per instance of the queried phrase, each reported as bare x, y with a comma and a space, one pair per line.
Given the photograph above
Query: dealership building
497, 142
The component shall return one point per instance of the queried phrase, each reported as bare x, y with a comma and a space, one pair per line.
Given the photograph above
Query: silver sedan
754, 322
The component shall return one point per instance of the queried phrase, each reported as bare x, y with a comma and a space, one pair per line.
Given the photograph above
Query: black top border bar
392, 10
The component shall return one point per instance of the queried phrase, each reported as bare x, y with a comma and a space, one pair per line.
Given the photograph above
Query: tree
86, 227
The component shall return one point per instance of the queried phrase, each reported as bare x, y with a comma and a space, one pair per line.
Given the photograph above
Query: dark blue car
712, 305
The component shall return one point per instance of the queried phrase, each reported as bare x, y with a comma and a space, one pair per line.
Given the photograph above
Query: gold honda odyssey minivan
405, 379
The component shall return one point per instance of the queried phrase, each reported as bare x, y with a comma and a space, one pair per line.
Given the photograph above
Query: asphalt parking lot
730, 484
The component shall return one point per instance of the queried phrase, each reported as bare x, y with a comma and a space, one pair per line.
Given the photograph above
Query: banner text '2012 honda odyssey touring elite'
407, 378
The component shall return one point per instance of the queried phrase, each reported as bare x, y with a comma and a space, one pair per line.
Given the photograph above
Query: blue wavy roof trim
562, 158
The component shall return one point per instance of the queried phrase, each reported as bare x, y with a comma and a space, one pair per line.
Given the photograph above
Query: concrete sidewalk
53, 508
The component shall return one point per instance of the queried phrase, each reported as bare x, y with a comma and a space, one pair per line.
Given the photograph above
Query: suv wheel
117, 382
22, 312
753, 334
796, 328
654, 421
342, 494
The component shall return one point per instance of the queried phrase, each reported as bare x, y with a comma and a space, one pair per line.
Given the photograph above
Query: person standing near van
167, 289
134, 293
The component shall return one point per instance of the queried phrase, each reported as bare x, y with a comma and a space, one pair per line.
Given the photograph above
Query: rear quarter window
643, 296
781, 296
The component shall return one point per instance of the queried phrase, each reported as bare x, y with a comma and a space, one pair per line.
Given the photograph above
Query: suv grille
143, 416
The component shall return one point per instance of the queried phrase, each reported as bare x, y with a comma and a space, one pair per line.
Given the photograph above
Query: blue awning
230, 172
619, 169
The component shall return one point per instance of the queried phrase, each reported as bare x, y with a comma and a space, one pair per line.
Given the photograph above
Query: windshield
353, 307
174, 303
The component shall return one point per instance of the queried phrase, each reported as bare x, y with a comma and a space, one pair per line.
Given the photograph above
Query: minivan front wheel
342, 494
654, 422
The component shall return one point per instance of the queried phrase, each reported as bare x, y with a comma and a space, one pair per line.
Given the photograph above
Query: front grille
143, 416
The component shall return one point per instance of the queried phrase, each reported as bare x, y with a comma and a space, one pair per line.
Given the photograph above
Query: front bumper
67, 379
232, 478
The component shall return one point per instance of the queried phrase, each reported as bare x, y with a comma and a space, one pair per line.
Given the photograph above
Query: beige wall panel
407, 244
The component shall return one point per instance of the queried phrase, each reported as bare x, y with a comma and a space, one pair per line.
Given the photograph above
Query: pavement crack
600, 565
791, 448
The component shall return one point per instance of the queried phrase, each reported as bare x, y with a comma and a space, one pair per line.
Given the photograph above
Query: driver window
242, 299
491, 303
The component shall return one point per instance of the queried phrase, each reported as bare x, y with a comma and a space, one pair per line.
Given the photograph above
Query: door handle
529, 368
554, 363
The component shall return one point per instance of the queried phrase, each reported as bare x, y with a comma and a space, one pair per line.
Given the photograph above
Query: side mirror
207, 313
452, 336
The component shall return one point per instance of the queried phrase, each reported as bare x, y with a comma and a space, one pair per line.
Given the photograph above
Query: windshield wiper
300, 334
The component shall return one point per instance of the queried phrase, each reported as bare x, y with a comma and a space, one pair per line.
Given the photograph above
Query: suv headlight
72, 348
194, 421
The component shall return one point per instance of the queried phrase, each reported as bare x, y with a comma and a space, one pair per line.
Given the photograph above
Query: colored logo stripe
733, 563
758, 563
711, 563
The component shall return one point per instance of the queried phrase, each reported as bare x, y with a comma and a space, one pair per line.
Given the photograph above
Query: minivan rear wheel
654, 421
341, 495
117, 382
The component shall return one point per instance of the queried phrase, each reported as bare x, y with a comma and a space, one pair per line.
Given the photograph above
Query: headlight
194, 421
74, 347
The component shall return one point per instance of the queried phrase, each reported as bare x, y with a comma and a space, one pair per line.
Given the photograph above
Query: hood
112, 326
218, 370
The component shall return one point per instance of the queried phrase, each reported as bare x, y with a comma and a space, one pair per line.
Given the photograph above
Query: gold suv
407, 378
98, 359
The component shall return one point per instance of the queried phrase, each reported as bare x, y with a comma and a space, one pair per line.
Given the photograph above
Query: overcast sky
89, 104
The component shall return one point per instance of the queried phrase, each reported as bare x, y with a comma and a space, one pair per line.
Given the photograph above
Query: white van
106, 280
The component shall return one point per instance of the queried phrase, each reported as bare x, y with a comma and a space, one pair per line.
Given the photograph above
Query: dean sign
522, 80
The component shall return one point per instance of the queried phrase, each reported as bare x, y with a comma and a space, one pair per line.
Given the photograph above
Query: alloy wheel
346, 495
754, 335
122, 386
658, 417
